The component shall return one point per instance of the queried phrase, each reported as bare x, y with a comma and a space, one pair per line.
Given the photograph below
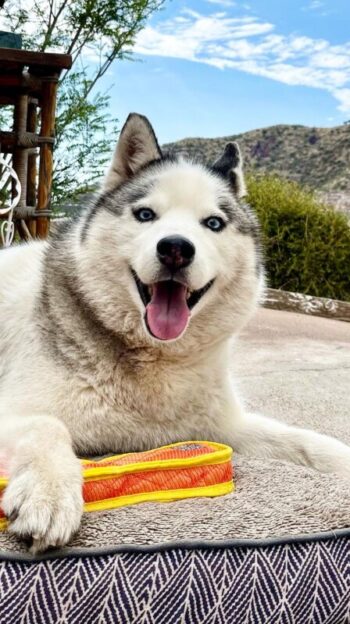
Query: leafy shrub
307, 243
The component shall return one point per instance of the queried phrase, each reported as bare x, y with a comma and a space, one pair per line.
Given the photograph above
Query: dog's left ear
136, 147
230, 165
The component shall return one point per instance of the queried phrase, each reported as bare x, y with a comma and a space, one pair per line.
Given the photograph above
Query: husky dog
115, 334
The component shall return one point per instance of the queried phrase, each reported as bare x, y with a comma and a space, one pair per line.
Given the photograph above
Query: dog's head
169, 242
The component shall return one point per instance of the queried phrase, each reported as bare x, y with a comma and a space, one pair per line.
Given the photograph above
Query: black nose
175, 252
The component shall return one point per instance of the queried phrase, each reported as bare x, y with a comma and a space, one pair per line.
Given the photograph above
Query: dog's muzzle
168, 306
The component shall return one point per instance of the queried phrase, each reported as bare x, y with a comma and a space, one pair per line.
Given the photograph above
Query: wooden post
20, 153
32, 169
48, 108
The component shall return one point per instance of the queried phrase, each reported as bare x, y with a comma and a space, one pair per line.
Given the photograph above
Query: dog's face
174, 236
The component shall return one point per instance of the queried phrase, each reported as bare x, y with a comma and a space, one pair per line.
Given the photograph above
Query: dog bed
275, 550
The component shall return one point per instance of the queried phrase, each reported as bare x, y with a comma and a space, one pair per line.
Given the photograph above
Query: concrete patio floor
296, 368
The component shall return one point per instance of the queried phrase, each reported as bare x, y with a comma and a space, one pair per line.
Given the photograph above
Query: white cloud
223, 3
252, 46
316, 4
343, 95
190, 38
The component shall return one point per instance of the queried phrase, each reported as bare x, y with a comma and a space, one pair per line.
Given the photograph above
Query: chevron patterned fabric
299, 583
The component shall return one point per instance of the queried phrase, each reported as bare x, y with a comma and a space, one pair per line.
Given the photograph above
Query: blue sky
218, 67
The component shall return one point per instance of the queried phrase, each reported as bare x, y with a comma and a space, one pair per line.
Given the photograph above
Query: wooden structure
28, 82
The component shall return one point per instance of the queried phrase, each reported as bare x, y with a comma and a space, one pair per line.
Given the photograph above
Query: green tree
95, 33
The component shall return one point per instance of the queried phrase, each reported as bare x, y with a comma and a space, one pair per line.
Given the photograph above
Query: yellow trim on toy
161, 496
3, 524
221, 455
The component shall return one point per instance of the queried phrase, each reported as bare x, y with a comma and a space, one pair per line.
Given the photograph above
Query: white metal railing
10, 196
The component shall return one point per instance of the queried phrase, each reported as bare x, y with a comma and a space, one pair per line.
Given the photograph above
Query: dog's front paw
44, 505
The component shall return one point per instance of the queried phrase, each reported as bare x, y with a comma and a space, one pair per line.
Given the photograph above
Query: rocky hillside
317, 157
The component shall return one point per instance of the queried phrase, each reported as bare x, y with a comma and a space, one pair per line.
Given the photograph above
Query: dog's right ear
137, 146
230, 165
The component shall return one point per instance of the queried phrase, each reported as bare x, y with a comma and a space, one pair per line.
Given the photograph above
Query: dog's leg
259, 436
43, 499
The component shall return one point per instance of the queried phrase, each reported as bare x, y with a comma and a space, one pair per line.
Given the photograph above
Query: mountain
317, 157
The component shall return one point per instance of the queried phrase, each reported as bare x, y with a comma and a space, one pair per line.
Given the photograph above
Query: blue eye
144, 214
216, 224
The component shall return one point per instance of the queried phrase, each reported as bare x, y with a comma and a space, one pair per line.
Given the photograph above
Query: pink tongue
167, 313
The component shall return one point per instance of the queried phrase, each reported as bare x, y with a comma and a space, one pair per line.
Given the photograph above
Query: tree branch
51, 28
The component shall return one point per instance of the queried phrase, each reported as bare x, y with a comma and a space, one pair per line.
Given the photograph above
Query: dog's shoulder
21, 261
20, 278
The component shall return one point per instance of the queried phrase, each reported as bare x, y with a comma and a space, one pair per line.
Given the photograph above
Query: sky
209, 68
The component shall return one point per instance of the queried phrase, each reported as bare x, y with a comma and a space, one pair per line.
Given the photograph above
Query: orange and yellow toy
182, 470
